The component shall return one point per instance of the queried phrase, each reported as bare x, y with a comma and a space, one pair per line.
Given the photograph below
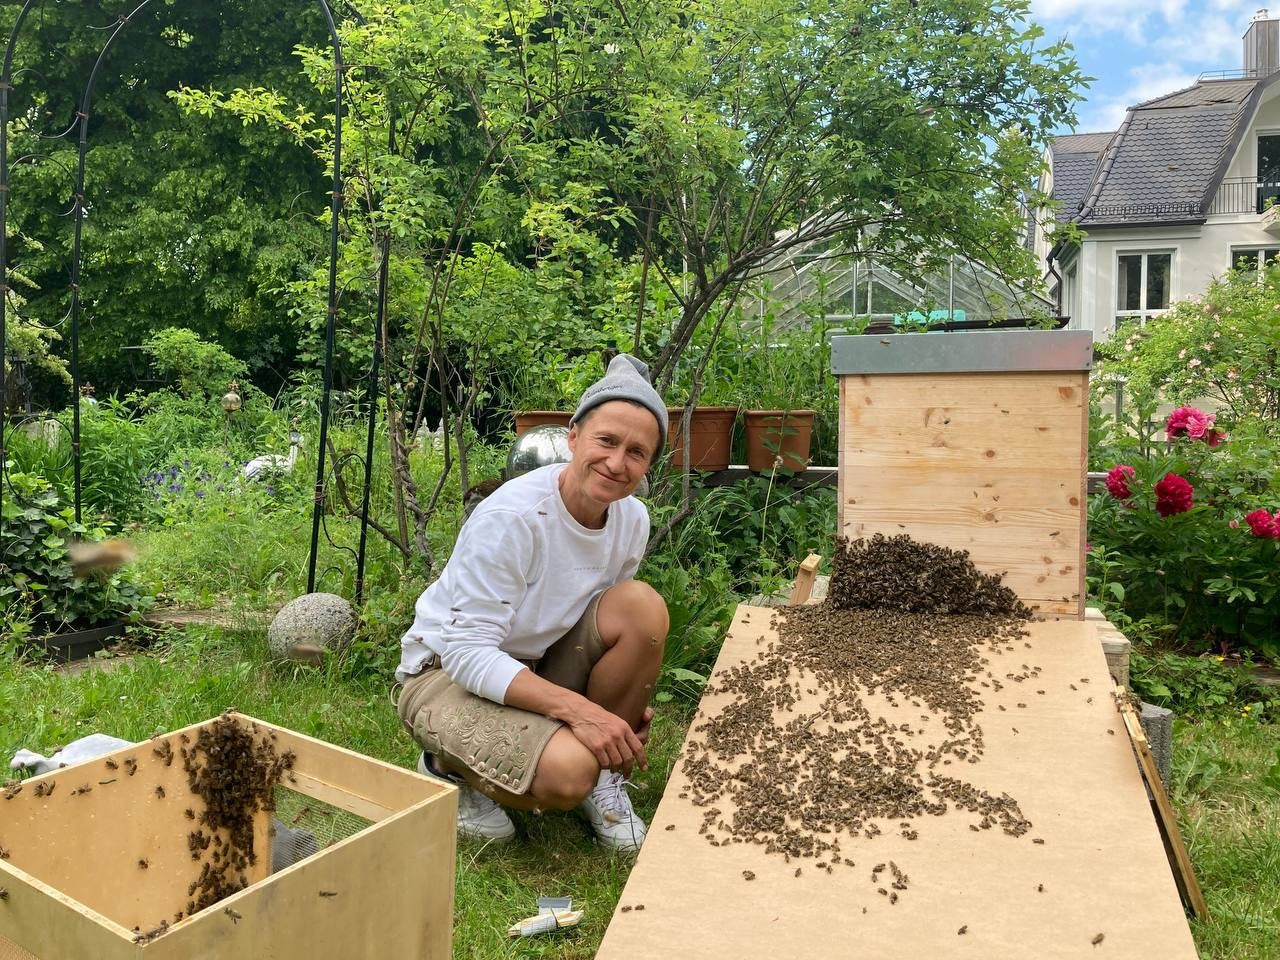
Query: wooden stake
1183, 872
804, 580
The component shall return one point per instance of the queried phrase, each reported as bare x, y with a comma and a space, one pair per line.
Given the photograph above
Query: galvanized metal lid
968, 351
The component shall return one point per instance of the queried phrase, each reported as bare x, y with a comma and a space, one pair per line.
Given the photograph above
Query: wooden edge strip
1179, 860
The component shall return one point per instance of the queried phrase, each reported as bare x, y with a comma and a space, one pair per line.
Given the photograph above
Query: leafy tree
551, 179
188, 220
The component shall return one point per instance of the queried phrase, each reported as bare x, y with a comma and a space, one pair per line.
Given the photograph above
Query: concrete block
1157, 724
1116, 647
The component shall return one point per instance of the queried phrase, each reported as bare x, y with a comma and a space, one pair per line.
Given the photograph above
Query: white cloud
1197, 29
1146, 82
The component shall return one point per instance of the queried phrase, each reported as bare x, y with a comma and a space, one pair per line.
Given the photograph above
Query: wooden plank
392, 895
1062, 758
1179, 860
379, 784
992, 463
803, 586
49, 924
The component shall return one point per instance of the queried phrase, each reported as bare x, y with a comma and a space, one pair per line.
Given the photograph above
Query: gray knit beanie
626, 379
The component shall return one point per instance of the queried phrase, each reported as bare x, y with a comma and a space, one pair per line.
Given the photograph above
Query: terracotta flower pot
710, 437
771, 433
528, 419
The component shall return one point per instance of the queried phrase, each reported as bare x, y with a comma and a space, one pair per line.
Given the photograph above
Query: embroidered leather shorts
500, 743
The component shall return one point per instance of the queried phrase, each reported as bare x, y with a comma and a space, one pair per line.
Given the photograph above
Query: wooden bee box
99, 854
975, 441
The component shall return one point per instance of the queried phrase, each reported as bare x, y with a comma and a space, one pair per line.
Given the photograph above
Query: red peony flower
1173, 495
1118, 481
1214, 437
1189, 422
1262, 524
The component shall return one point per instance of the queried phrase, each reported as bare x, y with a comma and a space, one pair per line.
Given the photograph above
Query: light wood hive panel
991, 463
75, 887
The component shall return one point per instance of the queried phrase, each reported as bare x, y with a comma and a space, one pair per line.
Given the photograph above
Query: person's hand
643, 733
609, 738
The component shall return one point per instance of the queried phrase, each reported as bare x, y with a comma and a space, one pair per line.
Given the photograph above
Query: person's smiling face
612, 447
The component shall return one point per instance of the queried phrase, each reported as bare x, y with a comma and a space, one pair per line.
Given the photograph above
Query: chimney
1262, 46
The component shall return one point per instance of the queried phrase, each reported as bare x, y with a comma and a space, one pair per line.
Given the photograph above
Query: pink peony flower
1233, 524
1173, 495
1264, 525
1118, 481
1188, 421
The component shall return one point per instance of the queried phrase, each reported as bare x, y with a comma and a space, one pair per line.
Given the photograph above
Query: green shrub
199, 367
1198, 567
39, 593
1197, 688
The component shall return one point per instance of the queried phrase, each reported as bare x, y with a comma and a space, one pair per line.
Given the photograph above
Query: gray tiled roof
1075, 161
1164, 162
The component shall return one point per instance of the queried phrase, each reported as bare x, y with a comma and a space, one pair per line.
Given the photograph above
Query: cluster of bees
800, 760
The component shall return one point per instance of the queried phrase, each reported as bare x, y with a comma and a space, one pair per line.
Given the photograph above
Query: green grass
194, 676
1225, 784
1226, 787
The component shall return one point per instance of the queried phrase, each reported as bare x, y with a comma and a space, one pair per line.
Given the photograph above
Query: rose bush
1190, 536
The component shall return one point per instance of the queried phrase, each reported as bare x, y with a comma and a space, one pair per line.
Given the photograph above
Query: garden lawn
1226, 784
1226, 787
195, 675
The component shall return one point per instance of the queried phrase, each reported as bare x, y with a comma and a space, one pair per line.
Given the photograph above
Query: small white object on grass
554, 913
77, 751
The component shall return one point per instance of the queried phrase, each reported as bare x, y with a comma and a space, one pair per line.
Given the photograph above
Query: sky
1139, 49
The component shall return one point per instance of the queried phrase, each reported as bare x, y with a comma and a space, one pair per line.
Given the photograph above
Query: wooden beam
1183, 872
803, 587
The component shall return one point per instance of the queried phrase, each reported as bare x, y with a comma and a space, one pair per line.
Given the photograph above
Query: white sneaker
479, 817
614, 820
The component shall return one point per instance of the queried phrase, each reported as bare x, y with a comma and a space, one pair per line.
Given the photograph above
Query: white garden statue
273, 464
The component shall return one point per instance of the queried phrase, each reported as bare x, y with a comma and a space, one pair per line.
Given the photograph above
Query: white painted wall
1199, 255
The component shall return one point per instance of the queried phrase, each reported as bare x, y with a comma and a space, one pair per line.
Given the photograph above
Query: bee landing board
103, 847
975, 441
1089, 879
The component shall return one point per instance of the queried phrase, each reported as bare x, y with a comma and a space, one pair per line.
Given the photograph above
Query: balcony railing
1245, 195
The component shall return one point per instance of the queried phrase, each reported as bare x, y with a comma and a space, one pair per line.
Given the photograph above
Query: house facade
1185, 189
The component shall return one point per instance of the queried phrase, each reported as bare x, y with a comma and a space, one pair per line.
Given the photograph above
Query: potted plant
710, 436
778, 436
550, 393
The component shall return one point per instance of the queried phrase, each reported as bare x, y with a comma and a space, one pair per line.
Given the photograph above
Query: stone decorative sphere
311, 626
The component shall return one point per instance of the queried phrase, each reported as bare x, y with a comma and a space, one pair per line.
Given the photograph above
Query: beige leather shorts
500, 743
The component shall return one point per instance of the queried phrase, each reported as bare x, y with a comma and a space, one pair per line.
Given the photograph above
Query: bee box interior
168, 848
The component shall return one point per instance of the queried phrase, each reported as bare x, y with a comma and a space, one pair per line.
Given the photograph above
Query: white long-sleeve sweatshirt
521, 574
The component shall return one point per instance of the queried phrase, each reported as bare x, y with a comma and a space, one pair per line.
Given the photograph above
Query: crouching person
529, 667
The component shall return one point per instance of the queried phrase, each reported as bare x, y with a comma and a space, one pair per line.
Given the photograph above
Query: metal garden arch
81, 124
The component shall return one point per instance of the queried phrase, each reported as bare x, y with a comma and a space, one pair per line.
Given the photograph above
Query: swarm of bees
912, 623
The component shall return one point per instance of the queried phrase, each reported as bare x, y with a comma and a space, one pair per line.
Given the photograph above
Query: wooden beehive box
974, 441
101, 848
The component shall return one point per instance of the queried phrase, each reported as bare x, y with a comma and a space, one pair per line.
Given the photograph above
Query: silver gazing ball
541, 446
536, 448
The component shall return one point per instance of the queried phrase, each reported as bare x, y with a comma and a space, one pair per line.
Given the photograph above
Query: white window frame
1143, 313
1257, 250
1070, 278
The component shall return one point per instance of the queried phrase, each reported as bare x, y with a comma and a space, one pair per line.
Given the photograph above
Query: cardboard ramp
1099, 885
